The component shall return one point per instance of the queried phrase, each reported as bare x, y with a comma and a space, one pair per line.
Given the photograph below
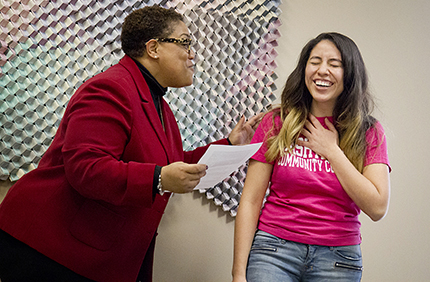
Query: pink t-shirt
306, 203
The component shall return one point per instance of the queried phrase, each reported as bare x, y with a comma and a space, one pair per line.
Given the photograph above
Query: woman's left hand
319, 139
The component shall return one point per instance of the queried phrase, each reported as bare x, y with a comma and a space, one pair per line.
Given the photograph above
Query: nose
323, 69
191, 54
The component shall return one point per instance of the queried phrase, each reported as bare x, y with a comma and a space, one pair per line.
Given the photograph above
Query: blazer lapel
147, 103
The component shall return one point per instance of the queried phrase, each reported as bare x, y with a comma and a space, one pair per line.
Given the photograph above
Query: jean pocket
348, 266
265, 242
352, 252
263, 248
349, 258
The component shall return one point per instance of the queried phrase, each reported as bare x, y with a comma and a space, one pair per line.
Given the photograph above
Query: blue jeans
274, 259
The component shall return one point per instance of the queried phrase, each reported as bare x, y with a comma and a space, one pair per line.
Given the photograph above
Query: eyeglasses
185, 42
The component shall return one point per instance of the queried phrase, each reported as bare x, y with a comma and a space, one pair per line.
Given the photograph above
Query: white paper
222, 160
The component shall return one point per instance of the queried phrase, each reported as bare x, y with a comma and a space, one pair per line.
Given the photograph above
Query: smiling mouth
323, 83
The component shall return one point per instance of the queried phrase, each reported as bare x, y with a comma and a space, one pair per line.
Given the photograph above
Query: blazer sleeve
98, 122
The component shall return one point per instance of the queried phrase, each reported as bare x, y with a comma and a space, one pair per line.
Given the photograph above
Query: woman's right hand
180, 177
239, 279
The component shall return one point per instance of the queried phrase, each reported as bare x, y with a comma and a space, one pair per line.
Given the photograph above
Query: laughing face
324, 77
175, 59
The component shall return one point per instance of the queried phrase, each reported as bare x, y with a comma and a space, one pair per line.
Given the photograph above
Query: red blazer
89, 205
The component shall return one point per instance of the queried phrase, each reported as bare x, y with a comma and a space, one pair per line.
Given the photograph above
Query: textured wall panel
49, 48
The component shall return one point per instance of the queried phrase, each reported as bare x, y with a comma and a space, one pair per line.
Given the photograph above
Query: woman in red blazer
91, 209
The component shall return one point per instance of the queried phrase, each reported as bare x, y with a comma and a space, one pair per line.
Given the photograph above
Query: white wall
195, 241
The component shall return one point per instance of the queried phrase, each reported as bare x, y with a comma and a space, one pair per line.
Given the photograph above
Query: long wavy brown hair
351, 112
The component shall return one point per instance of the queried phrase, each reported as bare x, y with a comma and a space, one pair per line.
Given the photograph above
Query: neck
321, 110
152, 66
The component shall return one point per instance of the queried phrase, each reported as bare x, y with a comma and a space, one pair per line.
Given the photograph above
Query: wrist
160, 189
238, 272
334, 153
157, 185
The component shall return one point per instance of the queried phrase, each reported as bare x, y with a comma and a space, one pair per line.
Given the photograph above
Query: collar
156, 89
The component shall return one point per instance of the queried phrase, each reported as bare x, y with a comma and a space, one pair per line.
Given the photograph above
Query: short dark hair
145, 24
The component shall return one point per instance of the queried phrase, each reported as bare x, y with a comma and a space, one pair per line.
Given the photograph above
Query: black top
157, 92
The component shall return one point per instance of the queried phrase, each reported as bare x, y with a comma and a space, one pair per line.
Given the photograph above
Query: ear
152, 48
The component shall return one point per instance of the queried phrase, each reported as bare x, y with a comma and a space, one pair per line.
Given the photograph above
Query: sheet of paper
222, 160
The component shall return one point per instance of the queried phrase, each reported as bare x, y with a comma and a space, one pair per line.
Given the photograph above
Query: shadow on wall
212, 206
4, 187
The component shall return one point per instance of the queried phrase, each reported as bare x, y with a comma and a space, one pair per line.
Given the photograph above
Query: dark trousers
20, 263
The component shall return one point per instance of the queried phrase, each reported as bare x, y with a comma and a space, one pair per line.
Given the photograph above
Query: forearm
254, 190
369, 191
245, 226
104, 178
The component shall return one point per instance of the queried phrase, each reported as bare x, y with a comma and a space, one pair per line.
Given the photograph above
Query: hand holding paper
222, 160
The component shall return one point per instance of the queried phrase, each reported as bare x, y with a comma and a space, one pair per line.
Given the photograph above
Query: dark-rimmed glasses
185, 42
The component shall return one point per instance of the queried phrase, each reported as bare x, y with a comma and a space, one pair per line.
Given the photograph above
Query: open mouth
323, 83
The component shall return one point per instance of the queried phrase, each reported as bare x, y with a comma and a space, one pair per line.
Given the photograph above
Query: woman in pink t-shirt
324, 158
